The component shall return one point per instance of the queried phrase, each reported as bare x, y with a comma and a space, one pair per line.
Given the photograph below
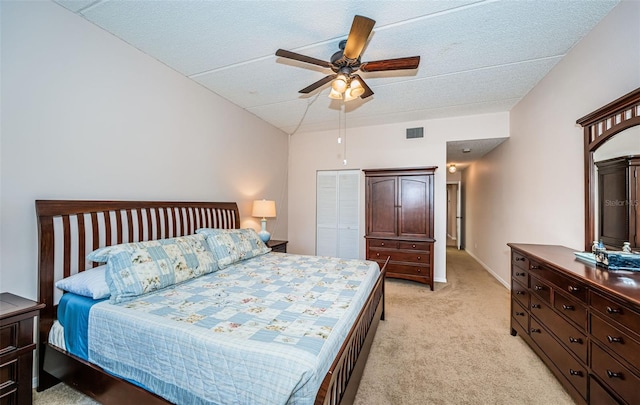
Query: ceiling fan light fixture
335, 95
340, 83
356, 88
348, 94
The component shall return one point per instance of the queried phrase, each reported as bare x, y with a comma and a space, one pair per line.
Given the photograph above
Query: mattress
264, 330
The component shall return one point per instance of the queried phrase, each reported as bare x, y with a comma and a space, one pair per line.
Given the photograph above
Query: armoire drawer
382, 243
572, 370
399, 256
574, 339
616, 312
614, 375
414, 270
615, 340
408, 245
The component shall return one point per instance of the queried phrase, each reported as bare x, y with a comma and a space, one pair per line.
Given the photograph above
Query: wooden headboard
70, 229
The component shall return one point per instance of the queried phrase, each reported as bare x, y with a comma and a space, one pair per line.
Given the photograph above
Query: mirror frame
600, 126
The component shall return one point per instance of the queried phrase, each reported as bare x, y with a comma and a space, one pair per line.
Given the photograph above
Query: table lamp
265, 209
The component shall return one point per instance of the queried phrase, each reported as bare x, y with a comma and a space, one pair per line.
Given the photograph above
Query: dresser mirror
612, 165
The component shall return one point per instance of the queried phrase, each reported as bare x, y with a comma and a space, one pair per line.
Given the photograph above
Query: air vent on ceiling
415, 133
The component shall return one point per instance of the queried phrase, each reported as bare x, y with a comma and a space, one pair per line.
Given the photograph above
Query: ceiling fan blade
391, 64
302, 58
357, 39
367, 90
318, 84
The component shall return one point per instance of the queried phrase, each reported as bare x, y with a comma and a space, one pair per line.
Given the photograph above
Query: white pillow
89, 283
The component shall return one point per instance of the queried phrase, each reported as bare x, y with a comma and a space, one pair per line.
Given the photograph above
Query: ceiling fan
344, 63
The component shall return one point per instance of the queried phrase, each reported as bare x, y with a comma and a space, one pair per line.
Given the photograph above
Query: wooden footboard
68, 230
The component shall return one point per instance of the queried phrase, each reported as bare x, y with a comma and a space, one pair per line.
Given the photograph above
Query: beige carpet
450, 346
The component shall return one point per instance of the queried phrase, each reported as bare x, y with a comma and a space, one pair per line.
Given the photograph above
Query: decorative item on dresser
399, 221
278, 245
581, 320
16, 348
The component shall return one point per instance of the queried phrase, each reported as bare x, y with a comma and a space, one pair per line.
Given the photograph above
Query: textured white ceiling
476, 56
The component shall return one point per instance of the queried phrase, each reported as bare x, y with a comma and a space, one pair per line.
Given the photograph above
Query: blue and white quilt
262, 331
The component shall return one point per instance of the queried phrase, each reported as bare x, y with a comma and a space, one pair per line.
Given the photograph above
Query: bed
69, 230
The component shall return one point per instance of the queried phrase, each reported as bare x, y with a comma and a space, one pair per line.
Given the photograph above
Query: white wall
383, 146
87, 116
531, 188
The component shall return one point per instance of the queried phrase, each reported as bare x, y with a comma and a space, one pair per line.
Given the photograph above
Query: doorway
454, 215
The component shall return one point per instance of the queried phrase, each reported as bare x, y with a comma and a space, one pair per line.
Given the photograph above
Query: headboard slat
119, 231
66, 246
81, 243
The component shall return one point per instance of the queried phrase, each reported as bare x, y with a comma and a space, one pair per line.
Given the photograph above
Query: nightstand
278, 245
16, 348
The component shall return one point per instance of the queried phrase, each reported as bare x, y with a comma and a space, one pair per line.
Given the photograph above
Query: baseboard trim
488, 269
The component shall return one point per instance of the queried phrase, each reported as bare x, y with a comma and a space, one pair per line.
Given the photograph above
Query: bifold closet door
337, 209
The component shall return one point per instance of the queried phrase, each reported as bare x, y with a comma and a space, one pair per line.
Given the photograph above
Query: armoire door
414, 207
381, 202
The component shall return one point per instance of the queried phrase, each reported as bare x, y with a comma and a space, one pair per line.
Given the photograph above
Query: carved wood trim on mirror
599, 127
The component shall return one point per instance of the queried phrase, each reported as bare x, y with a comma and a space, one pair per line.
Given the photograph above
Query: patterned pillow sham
233, 245
138, 268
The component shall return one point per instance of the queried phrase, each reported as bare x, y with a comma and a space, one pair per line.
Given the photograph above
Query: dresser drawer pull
377, 254
518, 274
568, 307
575, 340
535, 306
381, 243
573, 289
614, 310
612, 374
519, 313
614, 339
519, 292
534, 267
419, 258
538, 287
575, 372
519, 259
419, 270
534, 330
413, 246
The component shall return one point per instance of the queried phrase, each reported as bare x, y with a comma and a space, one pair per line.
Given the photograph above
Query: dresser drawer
615, 340
520, 292
572, 309
614, 375
388, 244
407, 245
8, 338
520, 314
519, 260
399, 256
521, 275
616, 312
541, 289
413, 270
569, 335
8, 376
572, 370
571, 287
598, 395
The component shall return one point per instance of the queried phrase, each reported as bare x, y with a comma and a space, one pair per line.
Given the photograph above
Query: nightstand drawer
8, 338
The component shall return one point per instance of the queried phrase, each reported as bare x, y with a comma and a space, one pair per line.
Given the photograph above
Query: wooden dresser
583, 322
16, 348
399, 221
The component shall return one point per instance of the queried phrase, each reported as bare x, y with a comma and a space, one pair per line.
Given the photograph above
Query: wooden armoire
399, 221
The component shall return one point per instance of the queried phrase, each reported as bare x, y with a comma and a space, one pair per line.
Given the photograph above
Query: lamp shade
264, 209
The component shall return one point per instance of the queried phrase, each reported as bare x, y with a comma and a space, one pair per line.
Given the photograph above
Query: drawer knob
614, 339
519, 313
538, 288
535, 306
377, 254
534, 330
413, 246
573, 289
535, 267
519, 292
568, 307
575, 340
612, 374
519, 259
419, 257
575, 372
382, 244
518, 274
614, 310
419, 270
